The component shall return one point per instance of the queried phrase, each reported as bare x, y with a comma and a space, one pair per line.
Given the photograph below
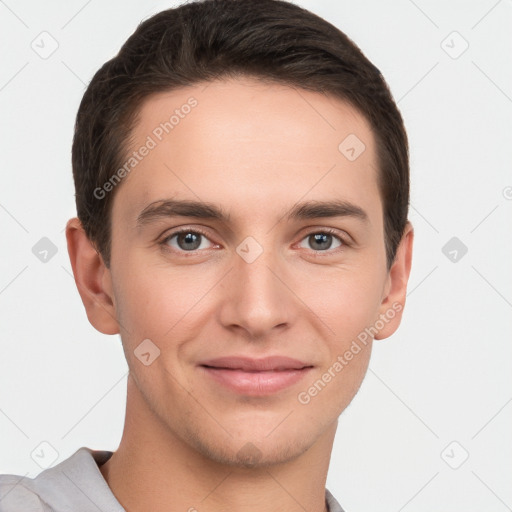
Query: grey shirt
74, 485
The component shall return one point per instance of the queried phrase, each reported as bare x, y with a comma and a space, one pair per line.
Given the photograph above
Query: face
258, 311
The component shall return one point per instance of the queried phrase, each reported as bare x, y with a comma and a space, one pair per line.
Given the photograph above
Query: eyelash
197, 231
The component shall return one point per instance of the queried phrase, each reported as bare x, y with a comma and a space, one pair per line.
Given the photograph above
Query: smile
255, 377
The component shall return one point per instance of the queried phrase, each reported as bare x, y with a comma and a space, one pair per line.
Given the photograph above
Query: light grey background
438, 390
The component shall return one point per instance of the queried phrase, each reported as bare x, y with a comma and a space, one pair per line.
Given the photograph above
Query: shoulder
332, 502
68, 485
16, 496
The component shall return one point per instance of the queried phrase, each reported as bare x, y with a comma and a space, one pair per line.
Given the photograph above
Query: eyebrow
203, 210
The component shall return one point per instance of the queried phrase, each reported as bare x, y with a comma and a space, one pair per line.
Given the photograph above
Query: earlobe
92, 279
396, 287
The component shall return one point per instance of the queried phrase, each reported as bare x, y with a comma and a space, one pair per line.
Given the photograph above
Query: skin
254, 150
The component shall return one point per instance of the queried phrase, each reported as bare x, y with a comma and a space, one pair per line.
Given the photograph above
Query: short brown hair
206, 40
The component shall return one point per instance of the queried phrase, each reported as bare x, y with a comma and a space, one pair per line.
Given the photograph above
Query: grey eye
321, 241
187, 241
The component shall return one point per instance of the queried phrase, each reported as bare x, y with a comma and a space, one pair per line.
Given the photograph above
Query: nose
258, 300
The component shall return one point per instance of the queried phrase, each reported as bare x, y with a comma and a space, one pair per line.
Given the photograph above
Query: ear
395, 291
92, 278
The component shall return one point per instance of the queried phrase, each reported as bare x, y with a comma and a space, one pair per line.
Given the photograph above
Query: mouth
255, 377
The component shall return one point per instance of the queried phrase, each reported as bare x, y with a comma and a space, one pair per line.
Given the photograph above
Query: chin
252, 455
246, 449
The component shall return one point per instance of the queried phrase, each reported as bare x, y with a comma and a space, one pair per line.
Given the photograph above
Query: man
242, 188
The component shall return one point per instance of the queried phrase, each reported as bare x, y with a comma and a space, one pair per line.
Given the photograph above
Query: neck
153, 469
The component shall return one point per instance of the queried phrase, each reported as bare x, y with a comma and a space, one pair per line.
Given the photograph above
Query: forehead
243, 142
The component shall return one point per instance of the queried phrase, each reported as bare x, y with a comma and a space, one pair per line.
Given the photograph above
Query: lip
248, 364
255, 377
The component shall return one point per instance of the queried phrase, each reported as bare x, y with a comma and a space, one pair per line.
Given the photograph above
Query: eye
186, 240
322, 240
189, 240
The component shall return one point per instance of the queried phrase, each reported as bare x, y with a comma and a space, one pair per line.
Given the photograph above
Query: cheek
346, 300
157, 302
348, 305
347, 355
